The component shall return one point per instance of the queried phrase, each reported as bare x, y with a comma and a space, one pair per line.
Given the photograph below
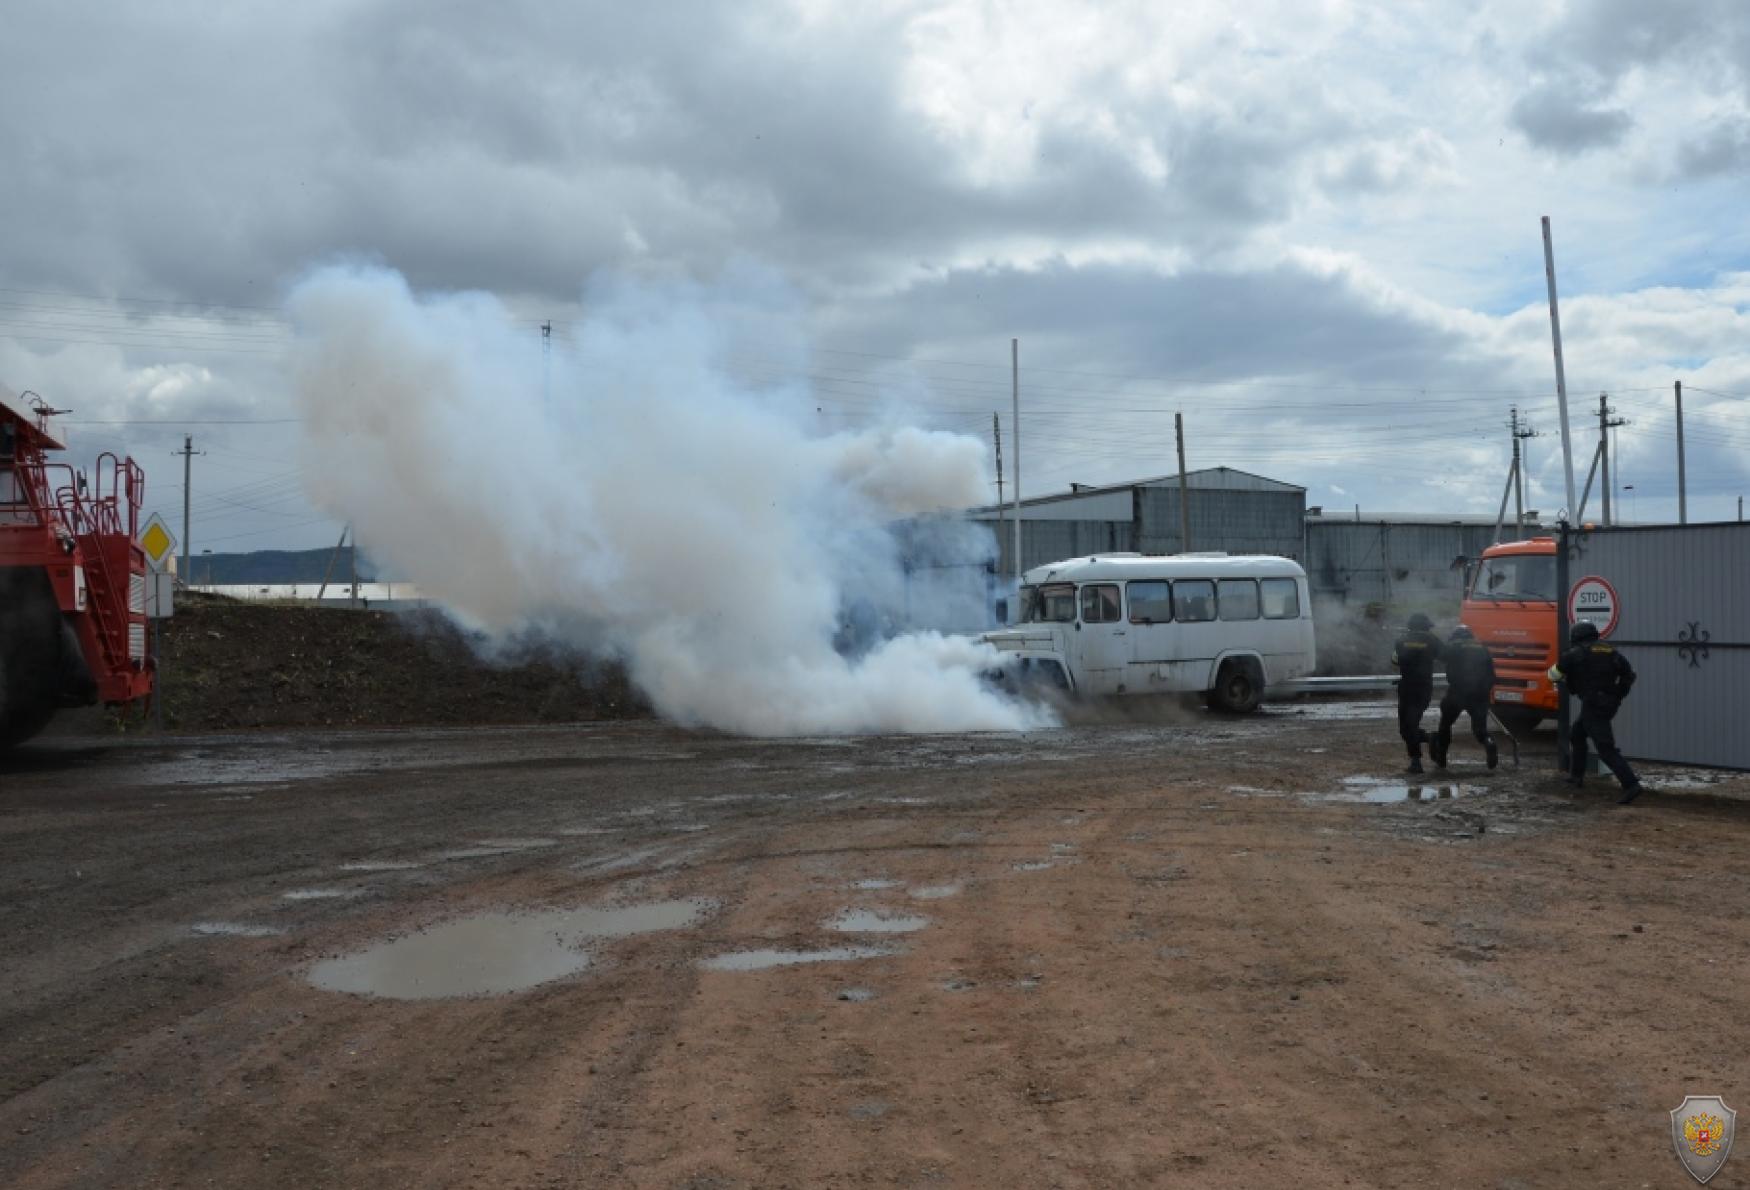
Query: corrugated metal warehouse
1398, 561
1366, 573
1230, 510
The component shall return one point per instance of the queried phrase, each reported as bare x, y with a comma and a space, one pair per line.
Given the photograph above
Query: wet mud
1211, 952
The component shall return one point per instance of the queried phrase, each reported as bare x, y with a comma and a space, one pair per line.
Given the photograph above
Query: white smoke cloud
630, 497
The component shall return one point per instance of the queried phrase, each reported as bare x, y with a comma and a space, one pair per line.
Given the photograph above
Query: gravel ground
1195, 952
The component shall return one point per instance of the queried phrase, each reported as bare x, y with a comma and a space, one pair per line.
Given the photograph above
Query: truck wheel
21, 723
1238, 688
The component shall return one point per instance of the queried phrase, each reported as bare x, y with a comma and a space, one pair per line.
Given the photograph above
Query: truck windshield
1053, 604
1519, 577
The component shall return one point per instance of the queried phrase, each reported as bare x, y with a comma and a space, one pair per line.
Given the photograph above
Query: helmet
1583, 632
1463, 632
1420, 623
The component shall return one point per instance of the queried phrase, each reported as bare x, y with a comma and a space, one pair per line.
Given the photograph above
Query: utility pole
329, 569
187, 452
1555, 331
1515, 488
1184, 489
1682, 480
1605, 425
1518, 482
996, 431
1015, 425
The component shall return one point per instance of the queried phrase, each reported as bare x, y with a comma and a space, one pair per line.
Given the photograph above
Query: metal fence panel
1683, 598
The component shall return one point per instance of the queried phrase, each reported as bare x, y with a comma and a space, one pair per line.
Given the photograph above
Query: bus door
1155, 648
1102, 650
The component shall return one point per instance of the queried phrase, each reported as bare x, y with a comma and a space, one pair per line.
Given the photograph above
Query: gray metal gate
1683, 621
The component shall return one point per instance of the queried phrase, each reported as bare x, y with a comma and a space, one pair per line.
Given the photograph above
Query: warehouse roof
1207, 479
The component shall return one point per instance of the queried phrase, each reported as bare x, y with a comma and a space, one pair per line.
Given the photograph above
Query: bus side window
1101, 604
1239, 599
1281, 599
1151, 602
1194, 600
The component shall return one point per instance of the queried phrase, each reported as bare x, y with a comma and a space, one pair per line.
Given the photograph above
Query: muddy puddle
1387, 790
761, 960
872, 921
239, 766
1335, 710
495, 953
934, 892
233, 929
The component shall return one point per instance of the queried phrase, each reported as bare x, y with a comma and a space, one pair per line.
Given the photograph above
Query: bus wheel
1238, 688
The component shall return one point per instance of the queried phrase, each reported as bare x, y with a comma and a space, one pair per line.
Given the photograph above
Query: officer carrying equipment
1413, 657
1600, 677
1470, 681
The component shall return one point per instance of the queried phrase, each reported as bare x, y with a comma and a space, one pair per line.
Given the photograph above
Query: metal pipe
1682, 479
1184, 489
1015, 377
1562, 577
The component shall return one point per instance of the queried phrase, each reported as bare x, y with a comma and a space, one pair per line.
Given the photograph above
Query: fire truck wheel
19, 724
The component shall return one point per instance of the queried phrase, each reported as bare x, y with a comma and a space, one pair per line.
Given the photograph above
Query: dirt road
1184, 955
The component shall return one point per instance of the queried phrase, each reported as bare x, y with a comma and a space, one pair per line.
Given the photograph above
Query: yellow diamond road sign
158, 542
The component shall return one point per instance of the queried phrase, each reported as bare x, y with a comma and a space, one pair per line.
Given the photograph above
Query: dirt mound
245, 665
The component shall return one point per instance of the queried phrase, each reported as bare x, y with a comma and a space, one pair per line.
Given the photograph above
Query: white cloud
1331, 209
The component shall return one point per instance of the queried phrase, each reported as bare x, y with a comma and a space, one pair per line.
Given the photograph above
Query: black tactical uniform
1600, 678
1470, 682
1413, 657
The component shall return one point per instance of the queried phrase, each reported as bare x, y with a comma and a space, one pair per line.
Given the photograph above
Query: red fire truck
72, 578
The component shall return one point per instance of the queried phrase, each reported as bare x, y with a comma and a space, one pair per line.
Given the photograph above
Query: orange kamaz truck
1511, 606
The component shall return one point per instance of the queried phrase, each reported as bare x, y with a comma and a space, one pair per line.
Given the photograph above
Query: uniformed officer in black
1600, 678
1413, 657
1470, 683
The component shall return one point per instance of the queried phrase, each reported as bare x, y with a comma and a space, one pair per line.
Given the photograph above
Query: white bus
1119, 624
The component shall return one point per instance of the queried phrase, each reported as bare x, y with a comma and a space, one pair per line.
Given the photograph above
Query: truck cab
1511, 606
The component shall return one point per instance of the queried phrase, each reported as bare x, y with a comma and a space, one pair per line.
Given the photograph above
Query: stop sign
1594, 600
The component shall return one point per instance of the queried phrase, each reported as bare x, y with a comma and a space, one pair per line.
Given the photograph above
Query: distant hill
280, 566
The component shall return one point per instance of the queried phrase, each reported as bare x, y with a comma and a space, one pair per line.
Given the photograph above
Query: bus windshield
1052, 604
1520, 577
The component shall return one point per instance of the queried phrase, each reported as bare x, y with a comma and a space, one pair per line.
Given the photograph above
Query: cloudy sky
1312, 226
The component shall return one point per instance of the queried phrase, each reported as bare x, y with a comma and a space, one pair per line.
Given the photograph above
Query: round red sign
1594, 599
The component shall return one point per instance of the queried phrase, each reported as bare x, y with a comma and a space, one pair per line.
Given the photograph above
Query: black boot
1629, 794
1415, 765
1494, 753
